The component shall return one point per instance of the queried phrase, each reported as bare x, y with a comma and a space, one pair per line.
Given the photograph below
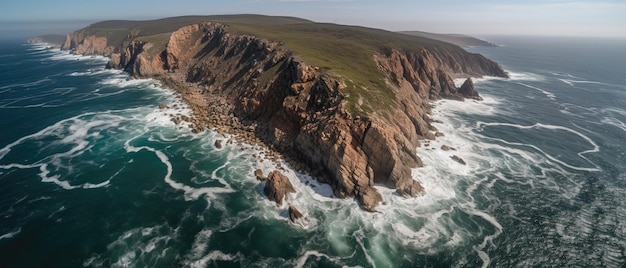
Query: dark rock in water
369, 199
438, 134
468, 91
277, 187
259, 175
458, 159
447, 148
163, 106
218, 144
409, 188
294, 214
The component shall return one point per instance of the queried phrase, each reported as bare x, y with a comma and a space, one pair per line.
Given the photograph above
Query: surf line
595, 148
191, 193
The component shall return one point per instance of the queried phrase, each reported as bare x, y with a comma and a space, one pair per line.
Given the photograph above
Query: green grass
346, 52
158, 41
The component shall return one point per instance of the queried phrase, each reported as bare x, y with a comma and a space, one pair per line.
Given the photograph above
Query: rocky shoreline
215, 120
262, 93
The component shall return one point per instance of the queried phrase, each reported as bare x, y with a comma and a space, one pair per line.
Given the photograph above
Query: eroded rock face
277, 186
369, 198
82, 42
294, 214
256, 88
468, 91
259, 175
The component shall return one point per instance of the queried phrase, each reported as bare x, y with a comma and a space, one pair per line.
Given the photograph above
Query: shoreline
208, 118
201, 120
211, 110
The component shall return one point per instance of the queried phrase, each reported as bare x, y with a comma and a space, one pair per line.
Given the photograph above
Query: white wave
595, 148
572, 82
486, 78
76, 132
199, 247
214, 255
525, 76
163, 117
548, 94
26, 85
567, 82
54, 179
38, 46
11, 234
488, 106
191, 193
91, 72
614, 122
66, 55
126, 81
301, 261
135, 245
102, 184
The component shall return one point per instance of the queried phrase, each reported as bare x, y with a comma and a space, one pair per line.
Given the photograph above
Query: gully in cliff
349, 106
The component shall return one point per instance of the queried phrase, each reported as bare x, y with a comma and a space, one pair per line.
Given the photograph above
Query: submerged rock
447, 148
458, 159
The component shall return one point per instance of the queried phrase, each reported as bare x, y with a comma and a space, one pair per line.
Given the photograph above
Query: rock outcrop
294, 214
277, 186
458, 159
257, 88
467, 90
81, 42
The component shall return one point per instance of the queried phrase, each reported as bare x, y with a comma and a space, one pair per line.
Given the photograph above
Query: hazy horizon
479, 18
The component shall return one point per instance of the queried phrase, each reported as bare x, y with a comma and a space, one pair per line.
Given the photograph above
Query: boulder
259, 175
409, 188
294, 214
277, 187
447, 148
163, 106
458, 159
218, 144
369, 199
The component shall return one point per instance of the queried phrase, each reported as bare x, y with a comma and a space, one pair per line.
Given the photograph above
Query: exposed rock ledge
254, 87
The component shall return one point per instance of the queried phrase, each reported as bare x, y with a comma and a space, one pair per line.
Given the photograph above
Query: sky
477, 17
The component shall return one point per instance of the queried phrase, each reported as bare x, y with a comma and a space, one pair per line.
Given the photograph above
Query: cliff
355, 120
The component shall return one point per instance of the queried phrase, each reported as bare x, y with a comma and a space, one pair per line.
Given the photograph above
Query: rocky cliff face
242, 83
81, 42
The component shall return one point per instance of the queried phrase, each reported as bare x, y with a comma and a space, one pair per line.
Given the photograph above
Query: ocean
94, 174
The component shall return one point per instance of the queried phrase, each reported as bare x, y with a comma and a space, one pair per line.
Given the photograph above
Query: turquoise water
94, 174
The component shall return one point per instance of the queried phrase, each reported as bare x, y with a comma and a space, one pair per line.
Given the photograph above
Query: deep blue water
93, 173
